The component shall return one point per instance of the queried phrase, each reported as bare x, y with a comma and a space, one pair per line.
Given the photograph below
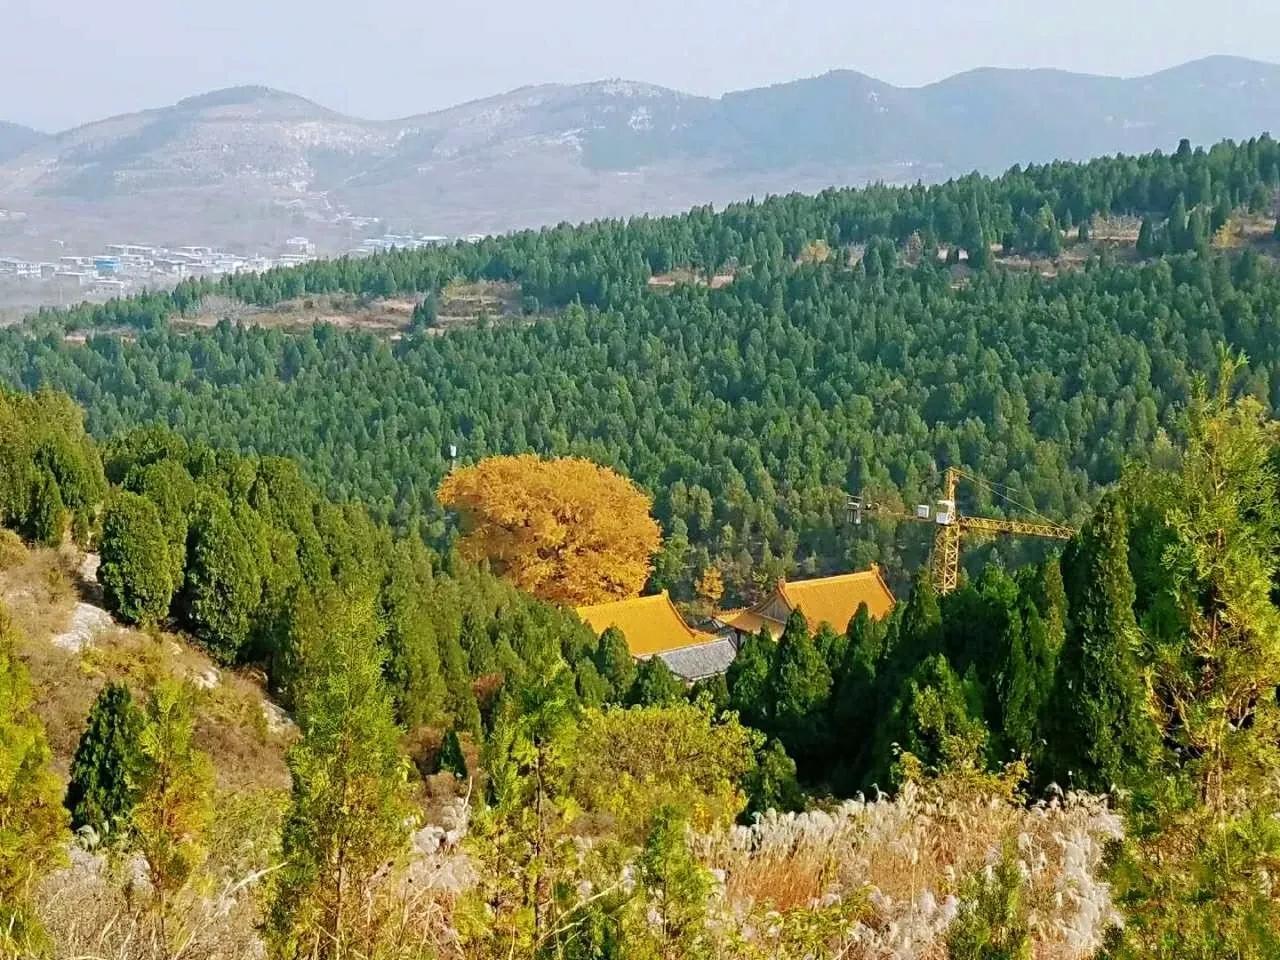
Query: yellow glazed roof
830, 600
650, 624
834, 600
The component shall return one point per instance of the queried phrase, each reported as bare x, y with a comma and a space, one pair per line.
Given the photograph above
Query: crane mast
944, 563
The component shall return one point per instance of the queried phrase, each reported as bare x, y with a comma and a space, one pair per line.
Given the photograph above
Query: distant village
123, 268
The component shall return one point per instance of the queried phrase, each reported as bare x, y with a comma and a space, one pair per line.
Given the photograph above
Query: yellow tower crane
952, 526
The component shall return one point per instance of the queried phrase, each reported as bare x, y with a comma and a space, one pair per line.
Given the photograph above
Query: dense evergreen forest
1142, 665
747, 411
1072, 755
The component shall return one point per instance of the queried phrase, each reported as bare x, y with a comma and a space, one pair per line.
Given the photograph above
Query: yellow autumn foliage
566, 530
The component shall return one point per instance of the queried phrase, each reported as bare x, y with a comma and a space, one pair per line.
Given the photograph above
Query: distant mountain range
16, 139
249, 165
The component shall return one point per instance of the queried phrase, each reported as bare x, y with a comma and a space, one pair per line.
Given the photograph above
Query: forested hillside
551, 820
869, 338
1072, 757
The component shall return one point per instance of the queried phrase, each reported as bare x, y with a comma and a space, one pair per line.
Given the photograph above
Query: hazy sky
70, 61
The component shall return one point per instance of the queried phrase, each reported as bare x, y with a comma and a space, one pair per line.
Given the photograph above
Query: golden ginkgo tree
567, 530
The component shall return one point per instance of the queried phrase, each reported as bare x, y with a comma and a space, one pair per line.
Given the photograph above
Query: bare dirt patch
388, 317
686, 276
463, 303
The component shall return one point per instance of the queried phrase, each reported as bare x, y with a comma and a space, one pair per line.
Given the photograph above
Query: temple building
829, 600
653, 627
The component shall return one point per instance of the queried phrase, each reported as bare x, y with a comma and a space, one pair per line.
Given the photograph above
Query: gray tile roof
701, 661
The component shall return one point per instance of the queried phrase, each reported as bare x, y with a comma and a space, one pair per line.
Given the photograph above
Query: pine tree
106, 768
32, 821
677, 887
174, 798
1222, 564
1102, 732
349, 806
993, 923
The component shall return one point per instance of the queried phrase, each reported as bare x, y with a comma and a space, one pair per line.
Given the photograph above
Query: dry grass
41, 593
94, 911
910, 857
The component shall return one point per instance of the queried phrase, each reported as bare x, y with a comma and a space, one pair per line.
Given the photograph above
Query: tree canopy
565, 530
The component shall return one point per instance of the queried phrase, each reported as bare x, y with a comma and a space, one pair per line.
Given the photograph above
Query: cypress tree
919, 631
224, 585
655, 684
136, 572
856, 693
1147, 238
799, 689
1177, 227
451, 759
936, 721
773, 785
748, 679
107, 763
615, 663
593, 689
1101, 730
1197, 237
47, 515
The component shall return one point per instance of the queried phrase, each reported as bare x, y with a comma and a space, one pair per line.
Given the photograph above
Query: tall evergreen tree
1102, 731
939, 724
106, 768
748, 679
349, 807
1179, 240
855, 692
615, 663
655, 684
1218, 692
799, 688
174, 797
1147, 238
136, 571
451, 759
